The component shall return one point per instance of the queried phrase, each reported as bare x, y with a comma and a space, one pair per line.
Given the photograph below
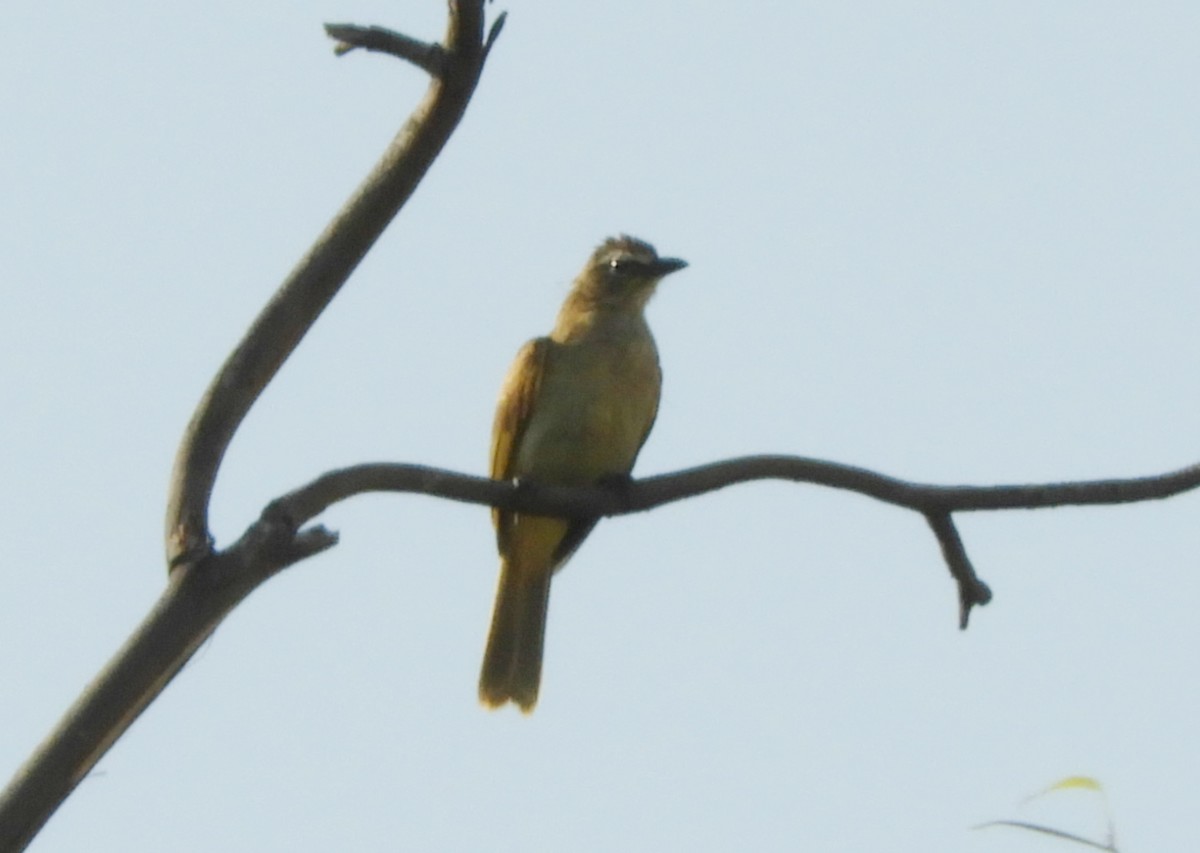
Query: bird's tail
512, 663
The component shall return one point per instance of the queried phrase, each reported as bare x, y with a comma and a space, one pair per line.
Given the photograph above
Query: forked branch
204, 586
936, 503
291, 312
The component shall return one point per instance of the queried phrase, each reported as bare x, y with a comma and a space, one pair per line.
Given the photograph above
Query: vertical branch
293, 309
205, 585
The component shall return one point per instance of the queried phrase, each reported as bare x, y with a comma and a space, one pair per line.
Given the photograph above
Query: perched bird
574, 409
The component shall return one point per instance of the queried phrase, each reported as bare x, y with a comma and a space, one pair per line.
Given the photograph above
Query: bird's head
623, 272
613, 288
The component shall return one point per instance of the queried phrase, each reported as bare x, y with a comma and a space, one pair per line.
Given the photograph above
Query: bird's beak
666, 266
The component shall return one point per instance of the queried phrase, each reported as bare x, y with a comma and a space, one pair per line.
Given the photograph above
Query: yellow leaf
1085, 782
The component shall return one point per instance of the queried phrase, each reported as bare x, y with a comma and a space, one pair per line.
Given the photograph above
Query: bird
575, 409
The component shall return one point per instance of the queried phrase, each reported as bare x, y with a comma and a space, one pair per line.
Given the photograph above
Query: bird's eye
622, 266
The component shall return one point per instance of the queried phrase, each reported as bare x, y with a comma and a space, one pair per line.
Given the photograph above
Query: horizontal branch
200, 594
307, 502
935, 503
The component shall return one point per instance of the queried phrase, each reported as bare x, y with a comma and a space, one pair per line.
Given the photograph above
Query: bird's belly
597, 431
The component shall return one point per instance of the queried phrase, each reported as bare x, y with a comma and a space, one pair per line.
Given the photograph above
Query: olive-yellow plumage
575, 408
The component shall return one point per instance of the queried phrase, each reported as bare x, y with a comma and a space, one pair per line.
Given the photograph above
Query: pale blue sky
956, 242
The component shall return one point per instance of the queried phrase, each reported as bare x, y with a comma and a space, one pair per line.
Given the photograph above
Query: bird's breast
595, 404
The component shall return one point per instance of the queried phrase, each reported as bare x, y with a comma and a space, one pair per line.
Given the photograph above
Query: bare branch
204, 586
429, 57
201, 593
935, 502
971, 590
494, 33
311, 500
319, 275
1055, 833
197, 598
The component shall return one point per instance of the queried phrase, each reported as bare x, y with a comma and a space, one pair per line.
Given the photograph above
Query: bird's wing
517, 397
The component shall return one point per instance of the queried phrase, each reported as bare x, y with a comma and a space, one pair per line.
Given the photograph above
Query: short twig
494, 33
428, 56
971, 590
